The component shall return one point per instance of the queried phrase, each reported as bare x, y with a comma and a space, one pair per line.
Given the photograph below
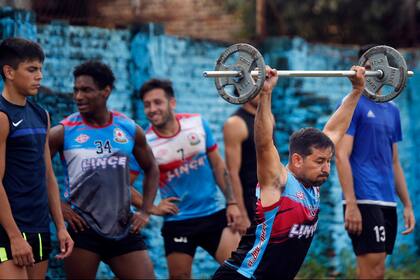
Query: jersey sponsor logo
185, 168
370, 114
181, 239
257, 249
119, 136
103, 162
82, 138
16, 124
193, 138
304, 231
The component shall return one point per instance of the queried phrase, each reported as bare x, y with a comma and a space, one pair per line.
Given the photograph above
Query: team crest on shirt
300, 195
119, 136
193, 138
82, 138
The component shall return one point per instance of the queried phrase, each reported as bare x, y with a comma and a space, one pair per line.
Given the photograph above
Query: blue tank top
24, 179
97, 166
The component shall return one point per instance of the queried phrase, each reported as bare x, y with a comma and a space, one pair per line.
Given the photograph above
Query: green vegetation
336, 21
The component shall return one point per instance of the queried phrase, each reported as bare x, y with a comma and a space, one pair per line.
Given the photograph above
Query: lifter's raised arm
339, 122
271, 173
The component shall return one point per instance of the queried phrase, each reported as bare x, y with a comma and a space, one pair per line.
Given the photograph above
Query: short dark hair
152, 84
365, 48
304, 140
101, 73
14, 51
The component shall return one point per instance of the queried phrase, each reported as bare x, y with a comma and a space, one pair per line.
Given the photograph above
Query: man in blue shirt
371, 176
28, 188
98, 147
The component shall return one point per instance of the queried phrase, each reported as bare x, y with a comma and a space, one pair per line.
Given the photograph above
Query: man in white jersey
193, 173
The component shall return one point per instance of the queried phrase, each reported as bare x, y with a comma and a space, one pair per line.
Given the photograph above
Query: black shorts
379, 230
40, 243
106, 248
184, 236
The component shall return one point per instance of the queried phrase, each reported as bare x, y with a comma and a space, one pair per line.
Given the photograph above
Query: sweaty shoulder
235, 126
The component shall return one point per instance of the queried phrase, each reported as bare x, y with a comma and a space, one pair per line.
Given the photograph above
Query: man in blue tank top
371, 177
288, 200
28, 188
241, 160
96, 145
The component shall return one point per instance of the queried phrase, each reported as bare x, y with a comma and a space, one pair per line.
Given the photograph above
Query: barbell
247, 73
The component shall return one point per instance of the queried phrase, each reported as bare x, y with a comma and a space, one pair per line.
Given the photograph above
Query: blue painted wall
136, 57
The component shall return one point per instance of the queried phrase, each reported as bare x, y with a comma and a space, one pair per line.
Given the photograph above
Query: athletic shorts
184, 236
106, 248
379, 230
40, 243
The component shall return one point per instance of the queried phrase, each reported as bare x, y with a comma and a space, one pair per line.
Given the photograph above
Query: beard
165, 119
314, 183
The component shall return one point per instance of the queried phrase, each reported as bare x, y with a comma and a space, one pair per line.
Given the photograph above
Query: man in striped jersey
288, 201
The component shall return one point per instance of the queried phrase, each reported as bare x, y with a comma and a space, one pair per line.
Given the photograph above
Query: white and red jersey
185, 170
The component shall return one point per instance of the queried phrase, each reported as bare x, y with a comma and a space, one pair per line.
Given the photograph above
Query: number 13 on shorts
379, 233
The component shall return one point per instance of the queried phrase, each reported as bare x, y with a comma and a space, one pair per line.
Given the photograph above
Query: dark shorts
184, 236
379, 230
40, 243
106, 248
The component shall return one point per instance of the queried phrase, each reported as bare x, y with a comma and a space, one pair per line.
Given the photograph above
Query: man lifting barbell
288, 203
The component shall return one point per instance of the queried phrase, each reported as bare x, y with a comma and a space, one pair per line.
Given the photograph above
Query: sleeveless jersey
24, 178
276, 246
97, 163
248, 169
185, 170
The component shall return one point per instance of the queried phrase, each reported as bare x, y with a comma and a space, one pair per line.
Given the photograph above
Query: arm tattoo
227, 190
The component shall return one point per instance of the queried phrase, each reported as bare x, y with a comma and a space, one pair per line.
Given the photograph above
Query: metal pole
215, 74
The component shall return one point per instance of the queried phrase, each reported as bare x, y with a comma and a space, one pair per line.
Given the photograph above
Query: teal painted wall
138, 56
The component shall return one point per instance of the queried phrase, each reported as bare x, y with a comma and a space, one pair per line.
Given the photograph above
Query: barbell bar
247, 74
299, 73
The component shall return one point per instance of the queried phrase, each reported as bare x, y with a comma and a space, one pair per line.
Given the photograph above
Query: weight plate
394, 69
244, 87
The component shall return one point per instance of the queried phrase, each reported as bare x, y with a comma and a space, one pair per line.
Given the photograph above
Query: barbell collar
297, 73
